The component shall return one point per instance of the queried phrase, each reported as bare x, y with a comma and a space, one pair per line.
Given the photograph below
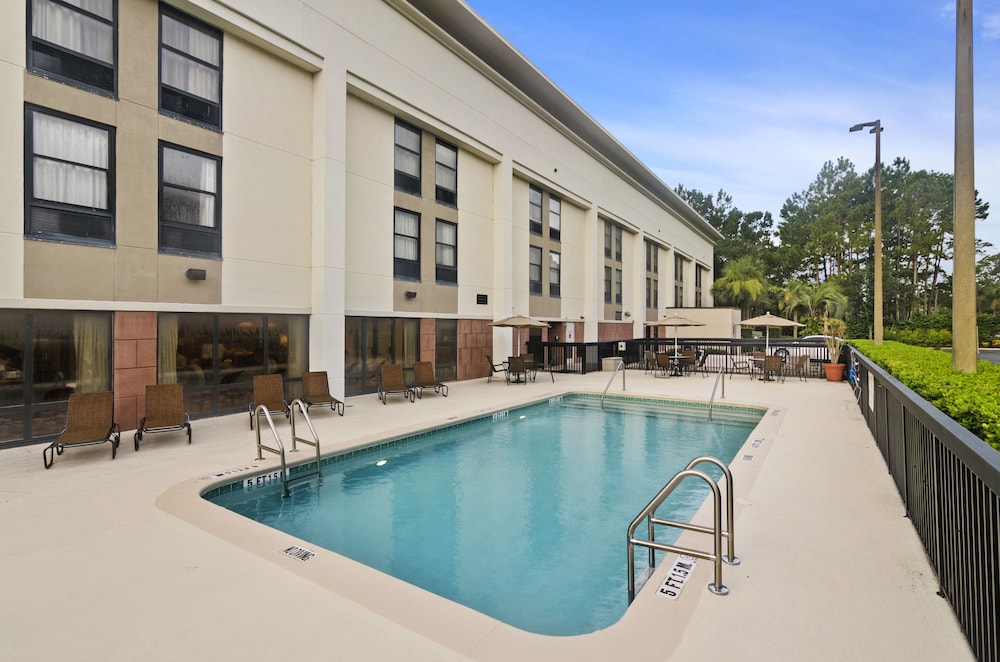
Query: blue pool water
522, 517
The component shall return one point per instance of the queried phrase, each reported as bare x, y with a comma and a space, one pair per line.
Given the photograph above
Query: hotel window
554, 260
74, 41
607, 285
190, 202
406, 245
69, 182
446, 252
446, 174
534, 270
618, 286
535, 210
407, 158
697, 287
555, 217
612, 241
190, 69
678, 281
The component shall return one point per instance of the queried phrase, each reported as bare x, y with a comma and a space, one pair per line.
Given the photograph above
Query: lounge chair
699, 364
494, 368
650, 361
391, 383
515, 370
423, 377
269, 391
164, 411
89, 420
316, 392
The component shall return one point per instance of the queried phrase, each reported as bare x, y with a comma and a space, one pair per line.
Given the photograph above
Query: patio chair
90, 419
391, 383
663, 364
800, 367
164, 411
316, 392
515, 370
423, 377
685, 364
649, 361
494, 368
699, 364
269, 391
739, 365
772, 369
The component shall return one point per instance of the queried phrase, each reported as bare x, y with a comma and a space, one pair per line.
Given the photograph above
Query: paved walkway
120, 560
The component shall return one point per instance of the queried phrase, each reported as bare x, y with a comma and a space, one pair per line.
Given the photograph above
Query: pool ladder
297, 404
717, 531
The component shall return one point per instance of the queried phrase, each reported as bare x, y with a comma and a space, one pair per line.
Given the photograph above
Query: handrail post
279, 451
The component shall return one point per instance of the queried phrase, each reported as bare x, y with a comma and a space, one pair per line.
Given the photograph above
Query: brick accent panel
475, 341
134, 365
614, 331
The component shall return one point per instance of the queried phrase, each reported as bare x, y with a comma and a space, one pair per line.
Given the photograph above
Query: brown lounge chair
90, 420
391, 383
316, 392
164, 411
269, 391
423, 377
516, 371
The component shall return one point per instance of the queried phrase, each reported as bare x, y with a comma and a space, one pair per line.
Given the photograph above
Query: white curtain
192, 172
447, 240
188, 73
73, 30
407, 231
77, 172
92, 342
167, 342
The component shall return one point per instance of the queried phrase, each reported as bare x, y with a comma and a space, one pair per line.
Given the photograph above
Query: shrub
969, 399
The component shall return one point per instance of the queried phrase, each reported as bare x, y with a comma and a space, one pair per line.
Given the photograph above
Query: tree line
817, 260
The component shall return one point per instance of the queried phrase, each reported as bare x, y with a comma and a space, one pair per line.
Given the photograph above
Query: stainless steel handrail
297, 403
280, 450
717, 530
620, 366
711, 401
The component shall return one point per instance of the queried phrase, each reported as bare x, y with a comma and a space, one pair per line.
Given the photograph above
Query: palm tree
742, 283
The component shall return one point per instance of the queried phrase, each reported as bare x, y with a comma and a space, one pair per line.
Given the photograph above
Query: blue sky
754, 97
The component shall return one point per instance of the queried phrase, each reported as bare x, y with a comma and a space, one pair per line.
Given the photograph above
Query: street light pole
876, 128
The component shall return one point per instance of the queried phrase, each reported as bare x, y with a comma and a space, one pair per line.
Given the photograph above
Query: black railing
949, 480
723, 353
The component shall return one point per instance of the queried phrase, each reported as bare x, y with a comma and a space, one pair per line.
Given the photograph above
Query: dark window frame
555, 229
555, 268
445, 273
191, 236
534, 284
97, 227
183, 104
535, 217
405, 268
442, 194
402, 180
51, 60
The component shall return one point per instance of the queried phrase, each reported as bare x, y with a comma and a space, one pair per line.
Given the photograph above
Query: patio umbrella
767, 321
520, 322
675, 321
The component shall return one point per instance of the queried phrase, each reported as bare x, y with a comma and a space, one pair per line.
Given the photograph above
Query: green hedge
970, 399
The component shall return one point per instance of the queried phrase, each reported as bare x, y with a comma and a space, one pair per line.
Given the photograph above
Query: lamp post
876, 128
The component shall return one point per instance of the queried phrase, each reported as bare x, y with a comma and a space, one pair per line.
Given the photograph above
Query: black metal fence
723, 353
949, 480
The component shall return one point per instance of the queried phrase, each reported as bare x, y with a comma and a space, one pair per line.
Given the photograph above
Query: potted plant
834, 334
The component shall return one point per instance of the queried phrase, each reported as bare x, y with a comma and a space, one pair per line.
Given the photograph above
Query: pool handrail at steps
718, 531
280, 450
619, 366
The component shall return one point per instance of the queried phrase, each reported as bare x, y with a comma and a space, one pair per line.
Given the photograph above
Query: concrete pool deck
114, 560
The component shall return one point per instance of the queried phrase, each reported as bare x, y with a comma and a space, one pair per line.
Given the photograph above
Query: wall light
195, 274
410, 294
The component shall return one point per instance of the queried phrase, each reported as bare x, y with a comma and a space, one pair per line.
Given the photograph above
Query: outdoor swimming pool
521, 515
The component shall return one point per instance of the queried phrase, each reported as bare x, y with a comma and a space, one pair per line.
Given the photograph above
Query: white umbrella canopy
520, 322
767, 321
675, 321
